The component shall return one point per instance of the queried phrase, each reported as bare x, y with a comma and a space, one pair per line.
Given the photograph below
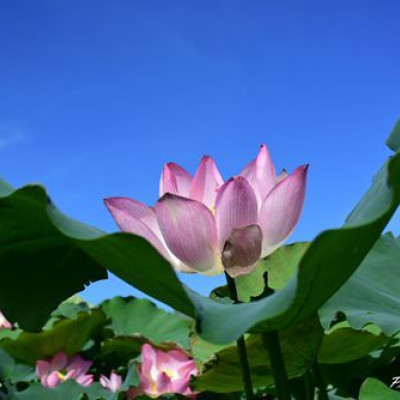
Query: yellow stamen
169, 372
61, 376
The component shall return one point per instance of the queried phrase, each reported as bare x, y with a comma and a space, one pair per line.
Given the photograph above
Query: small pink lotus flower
164, 372
4, 324
204, 225
113, 383
60, 368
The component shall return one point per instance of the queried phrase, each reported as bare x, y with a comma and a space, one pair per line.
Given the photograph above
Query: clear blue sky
95, 96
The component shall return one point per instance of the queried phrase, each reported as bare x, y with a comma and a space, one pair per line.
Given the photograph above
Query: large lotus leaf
68, 390
39, 266
71, 308
329, 261
299, 344
371, 295
13, 372
69, 335
131, 316
344, 344
203, 351
372, 389
394, 139
120, 350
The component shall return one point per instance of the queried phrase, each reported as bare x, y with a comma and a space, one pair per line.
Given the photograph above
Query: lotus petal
261, 174
281, 209
175, 180
206, 181
235, 207
190, 233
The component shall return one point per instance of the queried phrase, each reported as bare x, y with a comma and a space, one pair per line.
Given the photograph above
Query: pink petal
188, 367
149, 358
163, 361
59, 361
235, 207
175, 180
205, 182
4, 324
180, 385
281, 209
242, 250
52, 380
137, 218
178, 360
7, 325
178, 355
146, 384
189, 231
115, 382
78, 366
163, 384
85, 380
42, 368
261, 174
149, 355
104, 381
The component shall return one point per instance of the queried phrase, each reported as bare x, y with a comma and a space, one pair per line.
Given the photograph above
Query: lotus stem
322, 394
271, 342
241, 346
309, 385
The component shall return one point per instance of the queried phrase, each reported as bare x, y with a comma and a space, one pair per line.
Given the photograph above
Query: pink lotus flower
4, 324
60, 368
164, 372
204, 225
113, 383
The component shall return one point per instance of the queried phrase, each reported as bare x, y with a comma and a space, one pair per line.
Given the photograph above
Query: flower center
61, 375
170, 373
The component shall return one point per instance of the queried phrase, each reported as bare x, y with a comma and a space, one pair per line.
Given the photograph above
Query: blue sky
95, 96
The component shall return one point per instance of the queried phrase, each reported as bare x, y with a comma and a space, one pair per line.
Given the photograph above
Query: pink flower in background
164, 372
201, 224
4, 324
113, 383
60, 368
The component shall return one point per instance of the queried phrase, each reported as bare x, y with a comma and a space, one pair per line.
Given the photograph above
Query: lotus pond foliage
307, 320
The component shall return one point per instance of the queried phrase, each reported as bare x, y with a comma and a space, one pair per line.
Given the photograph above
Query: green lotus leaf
131, 316
14, 372
394, 139
371, 295
372, 389
344, 344
68, 390
69, 335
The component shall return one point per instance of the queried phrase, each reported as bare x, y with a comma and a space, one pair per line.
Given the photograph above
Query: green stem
309, 386
322, 394
241, 346
271, 342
